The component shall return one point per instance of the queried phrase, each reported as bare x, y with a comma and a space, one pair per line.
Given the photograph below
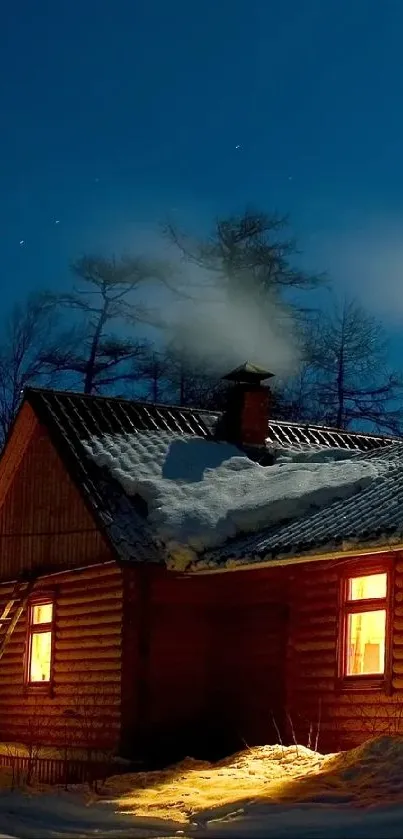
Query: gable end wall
44, 521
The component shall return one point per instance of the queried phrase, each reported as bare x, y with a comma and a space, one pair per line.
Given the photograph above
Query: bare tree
244, 284
29, 332
154, 373
174, 376
247, 252
345, 379
191, 381
111, 316
297, 396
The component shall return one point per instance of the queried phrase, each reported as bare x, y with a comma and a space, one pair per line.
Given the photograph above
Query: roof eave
268, 562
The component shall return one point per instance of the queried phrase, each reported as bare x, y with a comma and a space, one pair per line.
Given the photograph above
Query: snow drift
200, 493
247, 789
265, 792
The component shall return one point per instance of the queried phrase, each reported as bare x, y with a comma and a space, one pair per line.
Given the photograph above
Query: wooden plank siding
248, 655
166, 647
170, 665
272, 655
223, 660
83, 706
44, 522
203, 665
346, 717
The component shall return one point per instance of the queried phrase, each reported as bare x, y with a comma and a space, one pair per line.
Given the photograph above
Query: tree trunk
340, 374
155, 386
182, 388
340, 392
90, 371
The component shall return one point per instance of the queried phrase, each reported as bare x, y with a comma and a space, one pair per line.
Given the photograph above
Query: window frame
39, 599
365, 681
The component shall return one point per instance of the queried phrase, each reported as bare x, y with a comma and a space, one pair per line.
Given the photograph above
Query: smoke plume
223, 331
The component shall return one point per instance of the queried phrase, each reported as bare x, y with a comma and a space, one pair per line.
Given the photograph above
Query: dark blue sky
114, 114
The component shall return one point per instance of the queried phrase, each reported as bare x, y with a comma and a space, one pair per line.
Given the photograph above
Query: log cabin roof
72, 418
372, 517
86, 415
283, 434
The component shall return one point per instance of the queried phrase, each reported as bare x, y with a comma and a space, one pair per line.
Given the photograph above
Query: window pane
366, 642
42, 613
41, 643
363, 588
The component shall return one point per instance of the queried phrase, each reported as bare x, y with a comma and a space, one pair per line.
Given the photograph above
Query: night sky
115, 114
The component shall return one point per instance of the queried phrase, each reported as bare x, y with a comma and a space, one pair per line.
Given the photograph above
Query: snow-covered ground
265, 792
201, 493
62, 818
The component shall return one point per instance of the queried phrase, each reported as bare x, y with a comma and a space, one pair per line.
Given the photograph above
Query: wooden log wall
84, 708
203, 661
272, 656
251, 653
166, 647
44, 521
248, 655
346, 717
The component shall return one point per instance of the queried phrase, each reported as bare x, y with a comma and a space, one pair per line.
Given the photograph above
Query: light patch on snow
191, 791
267, 791
201, 493
259, 781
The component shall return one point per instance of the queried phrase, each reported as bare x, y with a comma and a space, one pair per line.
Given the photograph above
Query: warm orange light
42, 613
41, 646
366, 634
40, 642
367, 588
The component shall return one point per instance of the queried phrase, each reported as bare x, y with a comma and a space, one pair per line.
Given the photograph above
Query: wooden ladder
13, 611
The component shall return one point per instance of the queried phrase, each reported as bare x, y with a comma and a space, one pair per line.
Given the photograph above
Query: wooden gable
44, 521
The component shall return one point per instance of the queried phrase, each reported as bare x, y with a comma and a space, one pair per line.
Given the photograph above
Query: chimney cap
248, 374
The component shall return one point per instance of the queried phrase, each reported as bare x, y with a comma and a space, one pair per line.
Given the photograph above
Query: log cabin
112, 639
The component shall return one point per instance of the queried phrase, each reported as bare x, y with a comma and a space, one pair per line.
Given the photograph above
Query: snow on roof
372, 518
200, 493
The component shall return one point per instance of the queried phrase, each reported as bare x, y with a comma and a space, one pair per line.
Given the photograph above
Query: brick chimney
246, 417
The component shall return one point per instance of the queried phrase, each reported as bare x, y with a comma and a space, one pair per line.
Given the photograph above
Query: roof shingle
73, 418
374, 515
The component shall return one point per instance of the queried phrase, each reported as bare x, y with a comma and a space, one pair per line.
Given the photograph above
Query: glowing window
364, 625
40, 637
366, 588
366, 632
